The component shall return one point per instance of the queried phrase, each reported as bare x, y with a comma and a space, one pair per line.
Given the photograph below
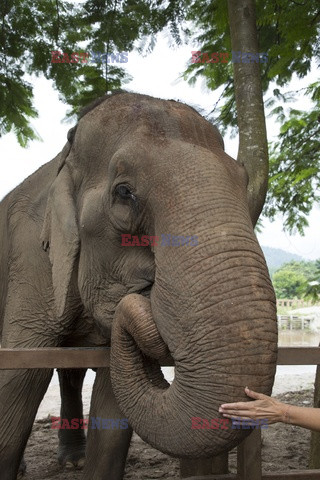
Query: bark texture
253, 146
315, 436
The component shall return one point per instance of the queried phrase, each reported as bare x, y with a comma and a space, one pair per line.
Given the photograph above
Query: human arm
265, 407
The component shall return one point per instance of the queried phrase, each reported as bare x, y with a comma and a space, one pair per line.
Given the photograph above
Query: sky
157, 74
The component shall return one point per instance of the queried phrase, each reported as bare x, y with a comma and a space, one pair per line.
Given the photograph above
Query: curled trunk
225, 339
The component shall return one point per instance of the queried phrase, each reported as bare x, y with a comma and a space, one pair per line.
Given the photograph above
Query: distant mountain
275, 257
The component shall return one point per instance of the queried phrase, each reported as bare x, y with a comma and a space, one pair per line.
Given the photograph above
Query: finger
238, 413
237, 417
243, 405
255, 395
226, 415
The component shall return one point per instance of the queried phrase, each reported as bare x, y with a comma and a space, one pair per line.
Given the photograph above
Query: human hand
263, 407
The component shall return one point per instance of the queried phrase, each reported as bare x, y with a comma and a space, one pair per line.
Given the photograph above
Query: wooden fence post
203, 466
314, 460
249, 457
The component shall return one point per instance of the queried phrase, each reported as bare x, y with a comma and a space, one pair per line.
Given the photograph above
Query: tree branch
297, 3
253, 146
58, 21
108, 40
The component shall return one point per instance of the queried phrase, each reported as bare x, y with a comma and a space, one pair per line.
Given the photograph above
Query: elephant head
146, 166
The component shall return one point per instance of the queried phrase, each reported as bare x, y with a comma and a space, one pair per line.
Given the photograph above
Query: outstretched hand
263, 407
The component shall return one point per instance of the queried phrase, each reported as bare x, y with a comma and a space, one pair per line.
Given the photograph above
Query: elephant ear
60, 233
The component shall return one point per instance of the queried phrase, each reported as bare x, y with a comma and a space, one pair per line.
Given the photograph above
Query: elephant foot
22, 469
71, 456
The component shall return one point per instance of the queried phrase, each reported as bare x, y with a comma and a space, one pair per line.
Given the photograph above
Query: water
298, 338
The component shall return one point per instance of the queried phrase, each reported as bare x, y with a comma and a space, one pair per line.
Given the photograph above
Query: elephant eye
124, 192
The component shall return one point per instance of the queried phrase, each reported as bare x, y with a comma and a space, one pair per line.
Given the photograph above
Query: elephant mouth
146, 291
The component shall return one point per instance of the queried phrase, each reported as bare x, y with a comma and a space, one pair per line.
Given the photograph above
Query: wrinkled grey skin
142, 166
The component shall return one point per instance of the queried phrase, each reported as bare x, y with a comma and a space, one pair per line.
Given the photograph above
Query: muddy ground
284, 447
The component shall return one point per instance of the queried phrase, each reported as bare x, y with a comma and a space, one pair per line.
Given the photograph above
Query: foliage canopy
30, 32
293, 279
288, 31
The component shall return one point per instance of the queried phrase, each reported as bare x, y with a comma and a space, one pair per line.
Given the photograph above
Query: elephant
140, 166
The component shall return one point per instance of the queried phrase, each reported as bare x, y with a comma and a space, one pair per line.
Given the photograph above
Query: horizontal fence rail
294, 475
14, 358
89, 357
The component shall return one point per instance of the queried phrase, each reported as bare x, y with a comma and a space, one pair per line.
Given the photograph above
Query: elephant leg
22, 469
21, 392
72, 442
107, 446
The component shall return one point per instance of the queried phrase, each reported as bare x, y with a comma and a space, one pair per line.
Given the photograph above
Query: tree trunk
253, 146
314, 461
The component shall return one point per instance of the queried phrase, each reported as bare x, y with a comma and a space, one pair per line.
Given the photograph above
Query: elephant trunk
212, 306
222, 339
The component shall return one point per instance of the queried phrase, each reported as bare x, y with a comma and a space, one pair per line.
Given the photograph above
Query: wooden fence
295, 303
249, 466
294, 322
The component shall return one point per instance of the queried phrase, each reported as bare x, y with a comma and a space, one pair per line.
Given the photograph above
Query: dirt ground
284, 447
